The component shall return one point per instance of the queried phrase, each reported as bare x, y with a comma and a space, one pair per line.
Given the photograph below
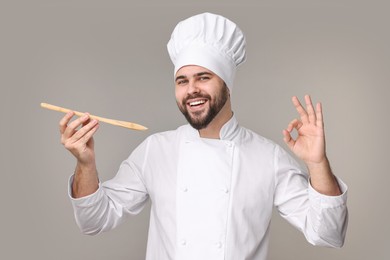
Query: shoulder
166, 139
248, 136
256, 143
167, 136
159, 144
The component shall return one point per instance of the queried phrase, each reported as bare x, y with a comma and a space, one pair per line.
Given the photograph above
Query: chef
212, 183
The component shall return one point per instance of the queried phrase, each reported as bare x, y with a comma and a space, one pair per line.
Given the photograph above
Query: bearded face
201, 108
200, 95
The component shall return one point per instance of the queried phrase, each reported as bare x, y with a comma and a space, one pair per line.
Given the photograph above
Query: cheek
179, 94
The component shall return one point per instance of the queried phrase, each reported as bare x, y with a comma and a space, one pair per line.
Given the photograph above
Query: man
212, 183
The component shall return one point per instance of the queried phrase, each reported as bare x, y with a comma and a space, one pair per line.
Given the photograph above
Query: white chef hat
210, 41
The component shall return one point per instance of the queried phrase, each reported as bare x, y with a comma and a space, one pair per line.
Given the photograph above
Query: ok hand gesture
310, 146
310, 142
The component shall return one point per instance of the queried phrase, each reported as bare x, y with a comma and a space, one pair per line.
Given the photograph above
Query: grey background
109, 58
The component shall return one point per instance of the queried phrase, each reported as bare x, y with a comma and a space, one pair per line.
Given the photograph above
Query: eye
181, 82
204, 78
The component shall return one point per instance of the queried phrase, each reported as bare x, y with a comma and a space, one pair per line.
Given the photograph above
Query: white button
184, 189
183, 242
218, 245
226, 190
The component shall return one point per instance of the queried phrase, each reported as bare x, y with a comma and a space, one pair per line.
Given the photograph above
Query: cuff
325, 201
85, 201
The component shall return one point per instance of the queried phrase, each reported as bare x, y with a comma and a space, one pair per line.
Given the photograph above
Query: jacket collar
228, 131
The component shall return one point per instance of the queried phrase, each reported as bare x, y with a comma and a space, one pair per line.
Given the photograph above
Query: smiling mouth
196, 103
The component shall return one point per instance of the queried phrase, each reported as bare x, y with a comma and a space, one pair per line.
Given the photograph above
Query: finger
81, 137
301, 111
84, 139
288, 139
320, 120
87, 137
64, 121
71, 128
87, 121
297, 124
83, 133
310, 110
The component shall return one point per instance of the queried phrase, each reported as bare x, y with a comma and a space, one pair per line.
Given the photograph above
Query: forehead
191, 70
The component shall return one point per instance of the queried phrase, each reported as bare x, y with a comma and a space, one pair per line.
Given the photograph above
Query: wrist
320, 165
322, 178
86, 164
85, 180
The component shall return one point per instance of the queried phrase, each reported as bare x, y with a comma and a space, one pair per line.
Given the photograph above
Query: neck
214, 128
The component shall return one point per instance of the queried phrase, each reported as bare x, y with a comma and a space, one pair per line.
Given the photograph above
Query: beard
201, 119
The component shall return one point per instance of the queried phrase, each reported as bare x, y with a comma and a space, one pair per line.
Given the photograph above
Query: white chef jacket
213, 198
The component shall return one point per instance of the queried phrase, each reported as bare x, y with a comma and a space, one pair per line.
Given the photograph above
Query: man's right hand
79, 142
77, 137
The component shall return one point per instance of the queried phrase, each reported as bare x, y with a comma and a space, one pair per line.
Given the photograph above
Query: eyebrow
180, 77
199, 74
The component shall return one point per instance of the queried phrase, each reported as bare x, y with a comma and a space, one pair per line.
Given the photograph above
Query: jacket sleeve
126, 194
322, 219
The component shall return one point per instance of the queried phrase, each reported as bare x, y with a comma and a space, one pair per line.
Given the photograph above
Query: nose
192, 87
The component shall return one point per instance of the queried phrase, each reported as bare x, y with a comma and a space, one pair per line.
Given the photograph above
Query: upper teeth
196, 102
